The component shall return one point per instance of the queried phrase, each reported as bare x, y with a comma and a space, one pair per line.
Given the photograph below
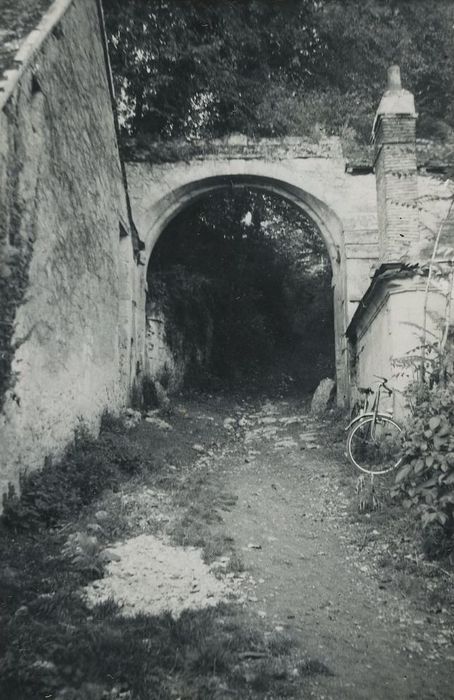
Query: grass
54, 646
392, 540
53, 642
60, 491
201, 500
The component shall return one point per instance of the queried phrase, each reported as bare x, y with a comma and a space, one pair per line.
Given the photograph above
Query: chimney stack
393, 136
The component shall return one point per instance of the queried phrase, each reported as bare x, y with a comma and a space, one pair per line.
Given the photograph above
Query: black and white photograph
226, 349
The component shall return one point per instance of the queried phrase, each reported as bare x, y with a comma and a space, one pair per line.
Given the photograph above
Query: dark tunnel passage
239, 295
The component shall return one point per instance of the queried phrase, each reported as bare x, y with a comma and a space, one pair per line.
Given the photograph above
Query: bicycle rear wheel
374, 445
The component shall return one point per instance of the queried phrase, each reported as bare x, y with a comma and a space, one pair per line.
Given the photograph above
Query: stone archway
342, 206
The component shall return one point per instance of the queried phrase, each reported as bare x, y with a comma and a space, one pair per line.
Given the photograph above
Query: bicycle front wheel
374, 444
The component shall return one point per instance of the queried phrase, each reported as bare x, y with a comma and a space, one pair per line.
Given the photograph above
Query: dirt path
250, 506
292, 523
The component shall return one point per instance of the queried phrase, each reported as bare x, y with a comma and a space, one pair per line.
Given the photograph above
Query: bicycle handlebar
384, 384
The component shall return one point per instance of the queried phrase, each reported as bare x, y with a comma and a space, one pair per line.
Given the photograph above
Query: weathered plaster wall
391, 318
68, 287
389, 333
374, 346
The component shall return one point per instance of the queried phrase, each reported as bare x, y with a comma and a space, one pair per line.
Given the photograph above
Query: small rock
109, 555
198, 448
268, 420
44, 665
8, 575
159, 423
323, 397
162, 399
22, 611
285, 443
101, 515
132, 413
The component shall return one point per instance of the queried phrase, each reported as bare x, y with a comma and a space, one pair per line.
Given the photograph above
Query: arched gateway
72, 328
314, 177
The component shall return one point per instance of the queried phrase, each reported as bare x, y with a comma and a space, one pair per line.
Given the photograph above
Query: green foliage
198, 68
60, 490
79, 654
83, 552
426, 479
185, 298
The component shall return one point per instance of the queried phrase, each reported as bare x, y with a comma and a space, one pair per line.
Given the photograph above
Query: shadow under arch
161, 213
169, 206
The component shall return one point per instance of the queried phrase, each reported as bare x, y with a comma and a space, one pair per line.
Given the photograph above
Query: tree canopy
203, 68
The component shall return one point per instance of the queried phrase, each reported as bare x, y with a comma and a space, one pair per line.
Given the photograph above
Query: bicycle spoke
374, 446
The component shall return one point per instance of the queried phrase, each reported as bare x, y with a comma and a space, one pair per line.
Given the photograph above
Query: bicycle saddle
364, 390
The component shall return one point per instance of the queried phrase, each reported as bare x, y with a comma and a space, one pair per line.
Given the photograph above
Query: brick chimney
393, 136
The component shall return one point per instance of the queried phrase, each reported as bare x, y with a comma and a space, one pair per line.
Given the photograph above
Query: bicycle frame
373, 430
360, 416
372, 413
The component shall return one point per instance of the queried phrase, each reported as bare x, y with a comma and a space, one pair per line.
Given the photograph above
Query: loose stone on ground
148, 575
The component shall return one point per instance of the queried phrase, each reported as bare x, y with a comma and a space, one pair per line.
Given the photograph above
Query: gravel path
310, 579
148, 575
313, 568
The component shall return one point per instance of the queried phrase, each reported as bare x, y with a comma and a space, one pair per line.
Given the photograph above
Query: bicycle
374, 438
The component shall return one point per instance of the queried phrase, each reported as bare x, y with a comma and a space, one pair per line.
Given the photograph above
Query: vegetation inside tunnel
242, 280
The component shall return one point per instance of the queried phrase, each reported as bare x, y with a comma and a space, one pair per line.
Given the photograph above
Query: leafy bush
59, 490
426, 479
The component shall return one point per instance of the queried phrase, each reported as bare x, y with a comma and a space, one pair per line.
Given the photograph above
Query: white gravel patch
152, 576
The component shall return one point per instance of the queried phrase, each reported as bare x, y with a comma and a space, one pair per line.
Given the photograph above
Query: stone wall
234, 146
342, 205
170, 365
172, 355
162, 364
67, 288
